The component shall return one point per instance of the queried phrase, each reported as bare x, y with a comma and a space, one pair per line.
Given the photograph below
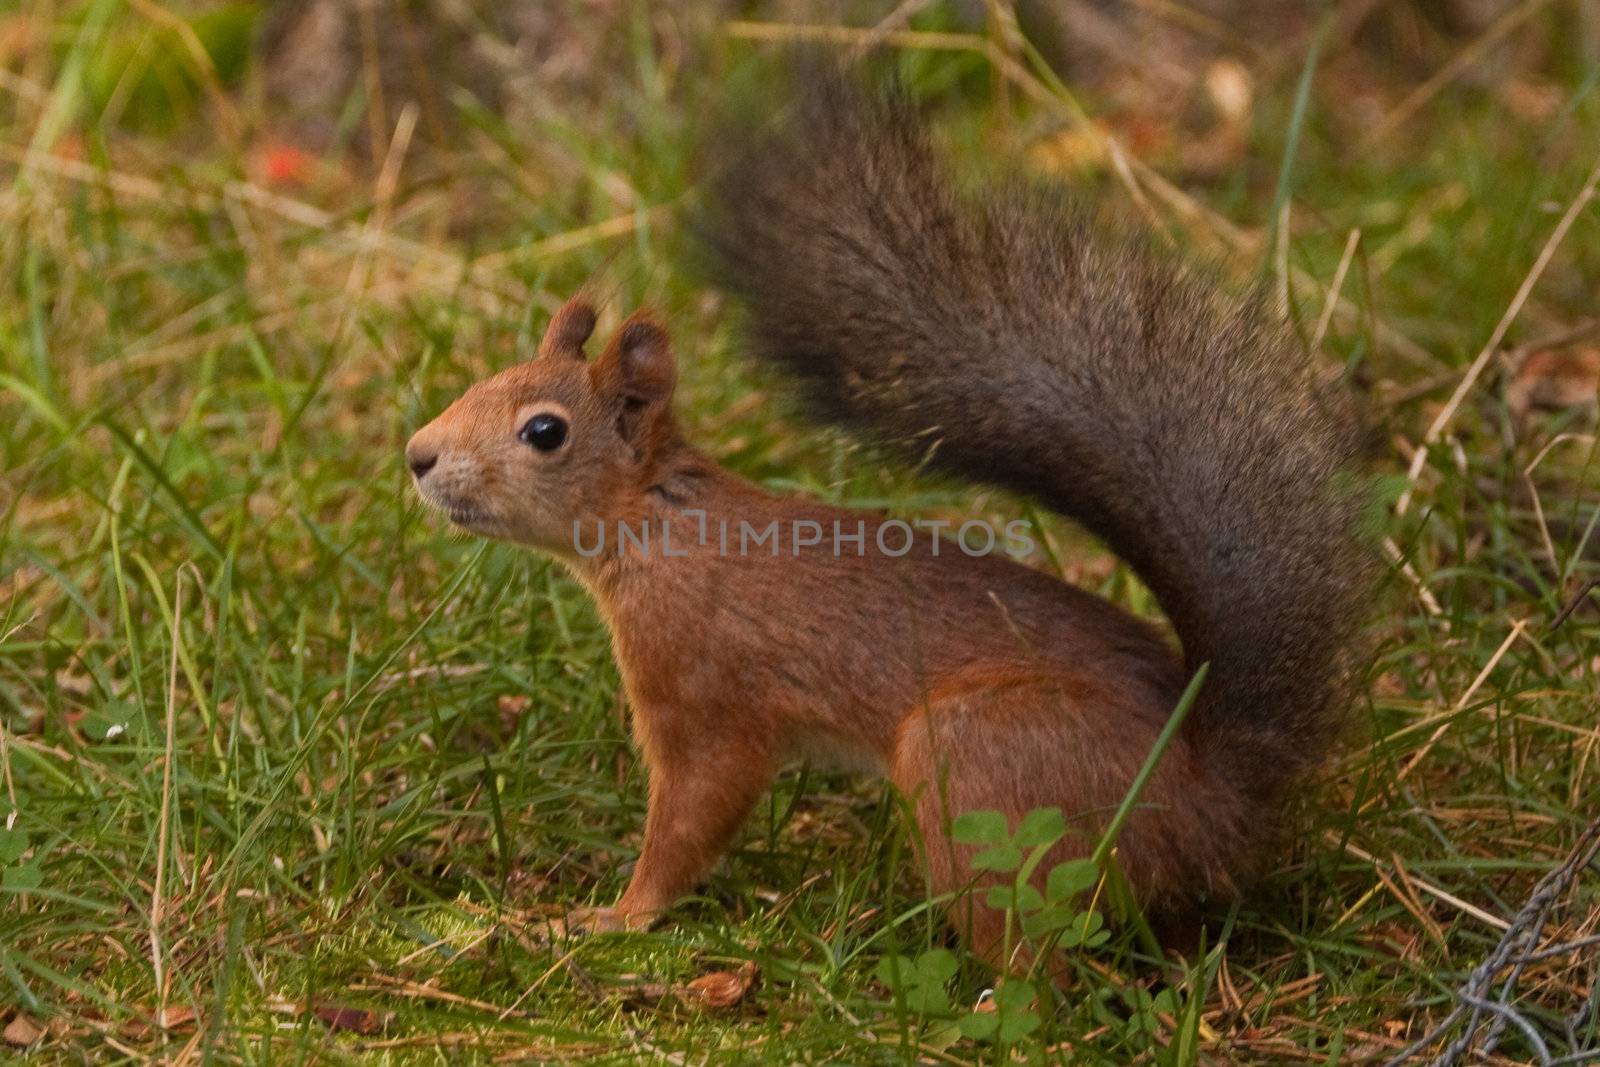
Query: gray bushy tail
1000, 335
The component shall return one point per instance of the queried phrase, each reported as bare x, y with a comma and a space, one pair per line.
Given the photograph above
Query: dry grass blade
1335, 287
164, 825
1467, 907
1448, 412
1450, 716
1418, 99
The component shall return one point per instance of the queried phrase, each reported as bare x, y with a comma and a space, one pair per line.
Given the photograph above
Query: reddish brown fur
971, 682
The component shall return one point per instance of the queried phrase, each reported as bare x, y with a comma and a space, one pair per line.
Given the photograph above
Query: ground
290, 771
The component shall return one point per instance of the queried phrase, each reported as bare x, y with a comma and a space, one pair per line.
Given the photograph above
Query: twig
1572, 605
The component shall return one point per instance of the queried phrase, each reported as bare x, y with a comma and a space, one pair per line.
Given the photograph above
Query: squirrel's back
999, 335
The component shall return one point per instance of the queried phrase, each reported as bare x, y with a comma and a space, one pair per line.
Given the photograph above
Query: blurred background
287, 769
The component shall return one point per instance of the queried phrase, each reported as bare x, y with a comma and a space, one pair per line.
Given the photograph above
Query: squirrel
999, 335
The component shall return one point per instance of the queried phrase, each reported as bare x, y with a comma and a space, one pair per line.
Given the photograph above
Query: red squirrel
998, 335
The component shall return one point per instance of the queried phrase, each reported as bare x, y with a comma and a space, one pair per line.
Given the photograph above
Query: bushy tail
999, 335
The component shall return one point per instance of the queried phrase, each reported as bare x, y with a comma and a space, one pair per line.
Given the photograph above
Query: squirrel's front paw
581, 922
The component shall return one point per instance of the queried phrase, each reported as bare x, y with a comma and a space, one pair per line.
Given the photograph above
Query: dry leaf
514, 704
176, 1016
356, 1020
1556, 379
22, 1031
720, 989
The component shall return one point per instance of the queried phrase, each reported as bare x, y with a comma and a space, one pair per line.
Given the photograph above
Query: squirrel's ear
639, 368
568, 331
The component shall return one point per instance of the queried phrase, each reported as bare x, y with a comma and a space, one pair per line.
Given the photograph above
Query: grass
289, 769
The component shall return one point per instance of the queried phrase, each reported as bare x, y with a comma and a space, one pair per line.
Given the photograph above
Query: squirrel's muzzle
422, 454
420, 460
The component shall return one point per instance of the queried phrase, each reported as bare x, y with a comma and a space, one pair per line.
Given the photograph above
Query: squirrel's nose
420, 460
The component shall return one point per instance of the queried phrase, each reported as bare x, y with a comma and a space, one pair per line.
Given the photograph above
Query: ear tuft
638, 365
638, 368
568, 331
648, 371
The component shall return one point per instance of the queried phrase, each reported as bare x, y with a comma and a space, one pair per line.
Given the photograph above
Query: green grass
224, 613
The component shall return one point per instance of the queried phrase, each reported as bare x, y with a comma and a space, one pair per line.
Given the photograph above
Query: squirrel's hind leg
1017, 743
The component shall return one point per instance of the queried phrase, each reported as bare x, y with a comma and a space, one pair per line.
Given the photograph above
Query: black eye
545, 432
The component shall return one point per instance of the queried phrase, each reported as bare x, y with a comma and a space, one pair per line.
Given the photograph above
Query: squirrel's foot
580, 922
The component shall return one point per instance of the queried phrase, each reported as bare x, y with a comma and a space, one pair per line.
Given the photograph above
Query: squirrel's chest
812, 688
